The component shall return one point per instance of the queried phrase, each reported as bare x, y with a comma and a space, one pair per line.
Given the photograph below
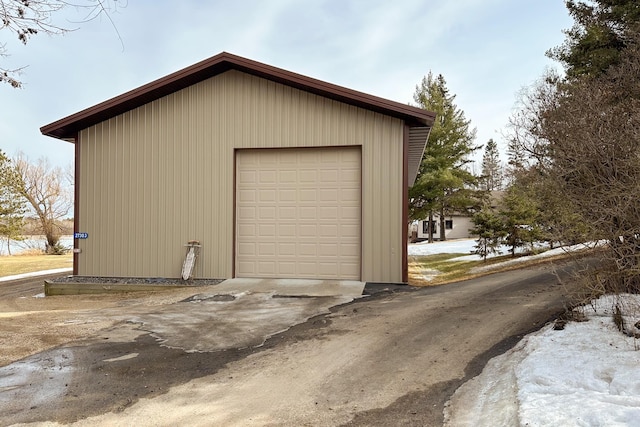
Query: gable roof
68, 127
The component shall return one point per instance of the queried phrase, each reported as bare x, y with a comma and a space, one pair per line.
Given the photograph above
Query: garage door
298, 213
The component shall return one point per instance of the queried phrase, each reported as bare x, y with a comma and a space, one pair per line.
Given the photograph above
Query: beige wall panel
155, 177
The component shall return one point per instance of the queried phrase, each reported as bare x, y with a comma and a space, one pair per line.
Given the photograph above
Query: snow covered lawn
465, 246
459, 246
585, 375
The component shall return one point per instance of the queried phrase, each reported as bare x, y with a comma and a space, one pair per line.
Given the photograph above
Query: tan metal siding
155, 177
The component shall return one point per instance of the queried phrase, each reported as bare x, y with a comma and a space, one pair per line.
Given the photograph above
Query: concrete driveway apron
243, 313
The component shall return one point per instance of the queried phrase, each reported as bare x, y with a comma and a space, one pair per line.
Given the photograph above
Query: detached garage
277, 175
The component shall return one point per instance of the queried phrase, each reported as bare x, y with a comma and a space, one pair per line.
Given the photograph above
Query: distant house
455, 227
278, 175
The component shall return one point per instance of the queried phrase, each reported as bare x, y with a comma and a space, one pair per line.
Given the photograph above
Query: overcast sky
487, 50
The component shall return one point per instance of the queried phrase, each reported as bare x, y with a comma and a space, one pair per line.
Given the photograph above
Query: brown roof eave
69, 126
412, 115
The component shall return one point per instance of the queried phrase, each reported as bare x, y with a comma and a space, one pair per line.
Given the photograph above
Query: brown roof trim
68, 127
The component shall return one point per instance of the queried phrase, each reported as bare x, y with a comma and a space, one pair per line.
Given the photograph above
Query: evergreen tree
489, 228
443, 185
491, 179
517, 161
599, 34
519, 214
11, 201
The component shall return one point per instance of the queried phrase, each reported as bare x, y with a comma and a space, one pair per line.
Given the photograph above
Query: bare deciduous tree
527, 146
47, 195
592, 133
26, 18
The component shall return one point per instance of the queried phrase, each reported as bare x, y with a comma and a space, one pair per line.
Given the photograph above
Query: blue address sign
80, 235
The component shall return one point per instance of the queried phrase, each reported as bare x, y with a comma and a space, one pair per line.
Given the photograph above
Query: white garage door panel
298, 213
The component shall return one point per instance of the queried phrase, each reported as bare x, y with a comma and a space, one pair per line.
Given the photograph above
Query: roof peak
68, 127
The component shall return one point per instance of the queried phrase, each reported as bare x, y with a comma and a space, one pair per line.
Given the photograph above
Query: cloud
486, 49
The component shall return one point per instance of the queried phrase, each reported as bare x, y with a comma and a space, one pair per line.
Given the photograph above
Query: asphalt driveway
389, 359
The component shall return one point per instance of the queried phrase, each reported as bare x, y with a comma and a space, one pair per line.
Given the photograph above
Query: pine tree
11, 201
517, 161
443, 185
599, 34
489, 228
491, 179
519, 214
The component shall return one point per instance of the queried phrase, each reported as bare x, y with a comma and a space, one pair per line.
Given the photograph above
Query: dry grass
431, 270
27, 263
440, 269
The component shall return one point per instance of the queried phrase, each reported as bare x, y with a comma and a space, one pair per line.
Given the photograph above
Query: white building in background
455, 227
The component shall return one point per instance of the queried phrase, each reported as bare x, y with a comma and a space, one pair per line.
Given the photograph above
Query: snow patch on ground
587, 374
584, 375
462, 246
521, 260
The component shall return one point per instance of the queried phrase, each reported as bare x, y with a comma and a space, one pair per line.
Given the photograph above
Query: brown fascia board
68, 127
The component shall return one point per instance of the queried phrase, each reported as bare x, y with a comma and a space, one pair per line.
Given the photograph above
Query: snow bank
585, 375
